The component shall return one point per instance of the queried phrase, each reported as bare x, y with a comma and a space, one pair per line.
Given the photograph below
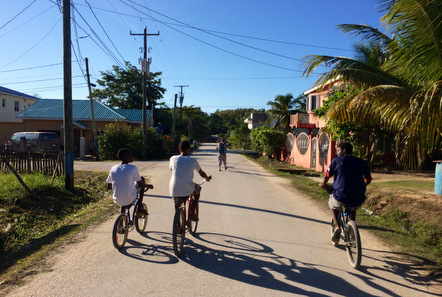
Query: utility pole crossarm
145, 74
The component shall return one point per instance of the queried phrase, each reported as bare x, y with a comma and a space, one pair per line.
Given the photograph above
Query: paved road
257, 237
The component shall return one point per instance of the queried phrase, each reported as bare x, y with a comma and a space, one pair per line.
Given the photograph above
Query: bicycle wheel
141, 222
353, 245
119, 233
178, 232
193, 224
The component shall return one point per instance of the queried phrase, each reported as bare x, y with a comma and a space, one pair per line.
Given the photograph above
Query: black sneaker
336, 236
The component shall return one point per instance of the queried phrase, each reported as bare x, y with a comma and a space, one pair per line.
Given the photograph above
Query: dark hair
347, 146
123, 152
184, 145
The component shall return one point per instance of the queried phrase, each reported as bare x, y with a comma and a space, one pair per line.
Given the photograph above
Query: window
3, 102
314, 100
16, 107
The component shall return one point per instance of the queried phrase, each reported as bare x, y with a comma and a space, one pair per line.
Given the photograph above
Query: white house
11, 103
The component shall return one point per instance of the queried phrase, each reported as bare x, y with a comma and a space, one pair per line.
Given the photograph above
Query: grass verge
33, 225
405, 215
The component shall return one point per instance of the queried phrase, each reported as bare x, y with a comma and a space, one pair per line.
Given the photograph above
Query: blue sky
231, 54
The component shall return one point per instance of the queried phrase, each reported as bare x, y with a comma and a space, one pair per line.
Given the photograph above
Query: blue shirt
350, 174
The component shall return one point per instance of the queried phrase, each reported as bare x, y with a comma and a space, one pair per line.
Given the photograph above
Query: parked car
45, 142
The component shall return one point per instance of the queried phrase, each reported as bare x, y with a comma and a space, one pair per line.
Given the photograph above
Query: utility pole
174, 123
181, 100
145, 69
67, 96
94, 127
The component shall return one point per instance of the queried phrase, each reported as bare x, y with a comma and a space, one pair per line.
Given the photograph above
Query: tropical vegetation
282, 107
397, 77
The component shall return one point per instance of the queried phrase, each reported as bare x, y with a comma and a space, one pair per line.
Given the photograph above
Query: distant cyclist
351, 176
181, 183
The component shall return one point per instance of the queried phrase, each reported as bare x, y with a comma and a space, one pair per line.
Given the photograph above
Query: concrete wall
305, 159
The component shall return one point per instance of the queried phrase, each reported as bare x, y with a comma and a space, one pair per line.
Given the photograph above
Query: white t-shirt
181, 183
122, 177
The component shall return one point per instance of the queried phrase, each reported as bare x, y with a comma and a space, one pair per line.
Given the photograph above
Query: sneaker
336, 236
140, 213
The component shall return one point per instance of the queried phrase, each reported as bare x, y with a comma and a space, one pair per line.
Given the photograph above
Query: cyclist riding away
121, 180
181, 183
351, 176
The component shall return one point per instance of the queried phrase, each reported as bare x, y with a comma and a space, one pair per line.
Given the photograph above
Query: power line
38, 80
104, 31
220, 32
106, 49
12, 30
224, 50
17, 15
32, 46
29, 68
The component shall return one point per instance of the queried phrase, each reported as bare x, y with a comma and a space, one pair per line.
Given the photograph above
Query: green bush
267, 140
121, 135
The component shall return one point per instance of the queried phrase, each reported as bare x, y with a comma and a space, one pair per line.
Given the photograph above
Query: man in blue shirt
351, 176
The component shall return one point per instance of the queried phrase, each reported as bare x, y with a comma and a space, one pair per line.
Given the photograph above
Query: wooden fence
49, 164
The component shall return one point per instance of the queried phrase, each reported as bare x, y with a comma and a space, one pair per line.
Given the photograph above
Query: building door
313, 158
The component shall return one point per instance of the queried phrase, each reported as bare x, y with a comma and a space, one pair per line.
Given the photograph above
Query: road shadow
257, 264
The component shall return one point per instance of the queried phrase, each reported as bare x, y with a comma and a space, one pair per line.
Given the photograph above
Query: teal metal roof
81, 110
133, 115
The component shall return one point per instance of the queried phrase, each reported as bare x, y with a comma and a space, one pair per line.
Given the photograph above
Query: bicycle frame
182, 222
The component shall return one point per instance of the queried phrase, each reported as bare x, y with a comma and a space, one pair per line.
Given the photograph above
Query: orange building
306, 145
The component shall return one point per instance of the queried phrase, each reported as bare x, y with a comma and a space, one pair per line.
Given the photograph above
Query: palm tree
401, 89
281, 108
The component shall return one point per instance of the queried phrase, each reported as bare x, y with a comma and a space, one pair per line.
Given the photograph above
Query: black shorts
180, 199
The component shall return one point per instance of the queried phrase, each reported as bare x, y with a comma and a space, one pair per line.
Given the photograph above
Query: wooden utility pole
94, 127
181, 100
145, 69
174, 124
67, 95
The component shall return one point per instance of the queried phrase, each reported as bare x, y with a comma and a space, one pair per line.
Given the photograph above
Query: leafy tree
399, 80
119, 133
240, 137
267, 140
281, 109
195, 122
122, 87
233, 118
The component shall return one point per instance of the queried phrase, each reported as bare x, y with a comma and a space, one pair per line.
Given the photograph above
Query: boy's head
344, 148
124, 154
184, 147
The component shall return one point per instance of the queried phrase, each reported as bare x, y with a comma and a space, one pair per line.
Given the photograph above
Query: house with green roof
46, 115
11, 103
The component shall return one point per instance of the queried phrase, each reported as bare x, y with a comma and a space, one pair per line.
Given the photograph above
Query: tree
267, 140
122, 87
240, 137
400, 90
282, 107
195, 123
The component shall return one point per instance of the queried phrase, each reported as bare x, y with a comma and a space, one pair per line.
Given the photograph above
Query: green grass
30, 223
402, 217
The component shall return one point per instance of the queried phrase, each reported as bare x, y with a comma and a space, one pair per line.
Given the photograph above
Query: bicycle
183, 222
350, 235
126, 221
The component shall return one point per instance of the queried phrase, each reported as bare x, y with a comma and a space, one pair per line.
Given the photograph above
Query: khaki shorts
337, 205
179, 200
222, 158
